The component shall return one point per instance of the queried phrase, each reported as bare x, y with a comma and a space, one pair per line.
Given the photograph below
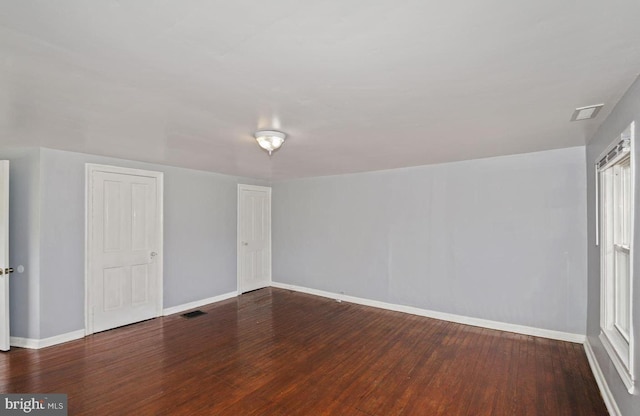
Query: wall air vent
586, 113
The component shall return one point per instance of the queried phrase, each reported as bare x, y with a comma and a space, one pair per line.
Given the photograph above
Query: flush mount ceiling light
270, 140
586, 113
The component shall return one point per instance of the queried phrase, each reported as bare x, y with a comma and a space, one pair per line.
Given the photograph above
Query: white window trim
619, 349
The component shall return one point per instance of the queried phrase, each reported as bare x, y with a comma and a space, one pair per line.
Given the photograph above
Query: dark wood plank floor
275, 352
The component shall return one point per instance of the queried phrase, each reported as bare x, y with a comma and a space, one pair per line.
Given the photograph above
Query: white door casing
254, 237
4, 255
123, 246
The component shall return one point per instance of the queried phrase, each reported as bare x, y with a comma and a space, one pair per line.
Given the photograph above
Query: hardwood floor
275, 352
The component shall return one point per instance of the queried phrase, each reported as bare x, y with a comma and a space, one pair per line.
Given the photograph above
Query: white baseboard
24, 342
484, 323
198, 303
609, 400
46, 342
33, 343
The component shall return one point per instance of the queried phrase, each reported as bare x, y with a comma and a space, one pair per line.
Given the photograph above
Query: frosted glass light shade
270, 140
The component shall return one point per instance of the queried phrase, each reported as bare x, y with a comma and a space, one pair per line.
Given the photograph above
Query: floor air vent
193, 314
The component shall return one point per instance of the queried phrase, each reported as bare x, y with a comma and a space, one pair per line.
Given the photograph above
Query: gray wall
502, 239
626, 111
199, 236
24, 230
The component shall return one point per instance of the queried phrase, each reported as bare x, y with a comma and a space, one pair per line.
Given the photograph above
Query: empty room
338, 207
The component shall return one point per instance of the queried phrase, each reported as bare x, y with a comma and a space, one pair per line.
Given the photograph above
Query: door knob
244, 243
153, 254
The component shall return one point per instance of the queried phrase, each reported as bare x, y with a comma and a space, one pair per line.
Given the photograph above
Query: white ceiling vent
586, 113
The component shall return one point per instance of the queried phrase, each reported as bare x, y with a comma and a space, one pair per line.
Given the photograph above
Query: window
615, 173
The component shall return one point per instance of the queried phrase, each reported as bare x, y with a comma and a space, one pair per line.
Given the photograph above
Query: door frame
244, 187
90, 169
5, 342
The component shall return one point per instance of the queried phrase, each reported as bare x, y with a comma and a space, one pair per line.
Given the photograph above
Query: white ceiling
357, 84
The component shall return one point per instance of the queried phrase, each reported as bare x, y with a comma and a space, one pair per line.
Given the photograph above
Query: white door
124, 246
4, 255
254, 237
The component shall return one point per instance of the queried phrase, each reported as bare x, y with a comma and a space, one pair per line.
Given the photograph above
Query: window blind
619, 150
